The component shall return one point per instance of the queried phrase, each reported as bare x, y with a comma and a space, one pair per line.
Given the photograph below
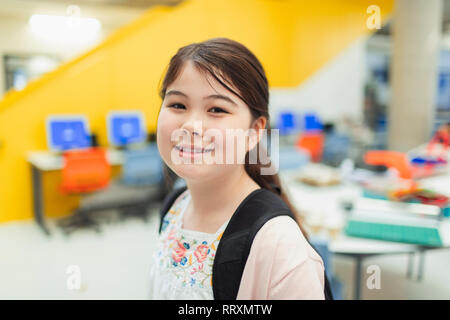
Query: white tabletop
353, 245
48, 161
323, 205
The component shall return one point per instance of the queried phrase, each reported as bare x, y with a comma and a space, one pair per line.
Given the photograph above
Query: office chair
143, 171
84, 172
312, 142
142, 167
336, 147
311, 139
292, 157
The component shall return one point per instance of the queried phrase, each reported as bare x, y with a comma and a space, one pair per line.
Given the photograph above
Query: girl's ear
256, 131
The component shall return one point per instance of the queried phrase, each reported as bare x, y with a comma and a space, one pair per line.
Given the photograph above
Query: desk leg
358, 274
38, 206
421, 265
410, 265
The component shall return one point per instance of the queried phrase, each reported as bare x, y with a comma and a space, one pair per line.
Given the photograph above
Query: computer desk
325, 201
42, 161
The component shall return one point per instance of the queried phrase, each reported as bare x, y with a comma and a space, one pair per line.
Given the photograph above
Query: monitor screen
126, 127
312, 122
286, 122
67, 132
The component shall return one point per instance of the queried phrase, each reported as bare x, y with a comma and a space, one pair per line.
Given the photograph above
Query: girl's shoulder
282, 236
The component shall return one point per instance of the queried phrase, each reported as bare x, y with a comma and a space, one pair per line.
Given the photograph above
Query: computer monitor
67, 132
312, 122
287, 122
125, 127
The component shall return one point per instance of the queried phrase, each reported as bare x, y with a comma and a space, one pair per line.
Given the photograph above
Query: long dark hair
238, 66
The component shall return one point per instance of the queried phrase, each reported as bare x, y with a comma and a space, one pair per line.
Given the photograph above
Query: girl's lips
189, 154
193, 149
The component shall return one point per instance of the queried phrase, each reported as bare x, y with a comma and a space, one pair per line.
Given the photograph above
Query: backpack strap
234, 247
168, 202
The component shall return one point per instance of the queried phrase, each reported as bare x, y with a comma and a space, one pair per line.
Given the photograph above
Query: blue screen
126, 129
68, 134
312, 122
286, 123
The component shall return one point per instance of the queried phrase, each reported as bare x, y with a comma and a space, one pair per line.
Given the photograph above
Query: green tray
391, 232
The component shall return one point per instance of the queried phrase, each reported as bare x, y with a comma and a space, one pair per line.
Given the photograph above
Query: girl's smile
192, 151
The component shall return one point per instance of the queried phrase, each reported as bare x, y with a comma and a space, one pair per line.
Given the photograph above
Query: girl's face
198, 111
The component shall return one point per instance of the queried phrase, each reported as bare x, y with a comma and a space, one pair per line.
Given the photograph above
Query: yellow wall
292, 38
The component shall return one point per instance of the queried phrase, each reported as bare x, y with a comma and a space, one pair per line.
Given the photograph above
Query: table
42, 161
324, 202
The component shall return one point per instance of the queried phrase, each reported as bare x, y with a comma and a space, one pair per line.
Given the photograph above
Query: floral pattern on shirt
189, 258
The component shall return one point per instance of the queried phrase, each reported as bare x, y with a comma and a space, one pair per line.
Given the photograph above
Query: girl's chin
192, 171
188, 160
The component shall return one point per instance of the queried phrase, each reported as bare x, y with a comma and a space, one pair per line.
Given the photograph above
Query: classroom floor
115, 263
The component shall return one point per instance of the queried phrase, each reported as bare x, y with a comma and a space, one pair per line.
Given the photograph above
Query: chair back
292, 157
313, 143
85, 171
142, 167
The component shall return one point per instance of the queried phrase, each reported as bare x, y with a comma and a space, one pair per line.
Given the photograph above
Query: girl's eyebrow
212, 96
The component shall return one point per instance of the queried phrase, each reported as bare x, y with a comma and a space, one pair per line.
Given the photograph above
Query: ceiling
120, 11
124, 3
110, 12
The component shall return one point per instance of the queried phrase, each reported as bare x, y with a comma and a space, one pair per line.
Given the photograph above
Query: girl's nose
190, 133
193, 128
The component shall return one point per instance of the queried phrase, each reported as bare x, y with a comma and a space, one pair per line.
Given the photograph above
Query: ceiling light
65, 29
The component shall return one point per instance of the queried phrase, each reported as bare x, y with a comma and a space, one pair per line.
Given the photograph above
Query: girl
210, 89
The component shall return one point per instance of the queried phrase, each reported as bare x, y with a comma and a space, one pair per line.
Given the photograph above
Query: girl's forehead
192, 81
190, 73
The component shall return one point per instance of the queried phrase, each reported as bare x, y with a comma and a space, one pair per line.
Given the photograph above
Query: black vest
232, 252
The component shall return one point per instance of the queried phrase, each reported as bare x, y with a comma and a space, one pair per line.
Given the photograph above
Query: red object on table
390, 159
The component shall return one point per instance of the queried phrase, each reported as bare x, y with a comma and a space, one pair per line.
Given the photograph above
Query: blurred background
360, 93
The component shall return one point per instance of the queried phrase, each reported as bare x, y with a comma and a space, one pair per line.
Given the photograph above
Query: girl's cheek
166, 126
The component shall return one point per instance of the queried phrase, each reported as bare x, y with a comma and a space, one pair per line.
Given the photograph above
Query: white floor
395, 285
114, 265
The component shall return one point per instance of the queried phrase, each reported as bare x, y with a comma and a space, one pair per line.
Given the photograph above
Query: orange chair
84, 172
312, 142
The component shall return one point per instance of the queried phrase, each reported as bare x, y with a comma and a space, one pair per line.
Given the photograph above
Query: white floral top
181, 266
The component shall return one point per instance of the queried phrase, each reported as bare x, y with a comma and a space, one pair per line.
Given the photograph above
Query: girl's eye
220, 110
176, 104
179, 106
